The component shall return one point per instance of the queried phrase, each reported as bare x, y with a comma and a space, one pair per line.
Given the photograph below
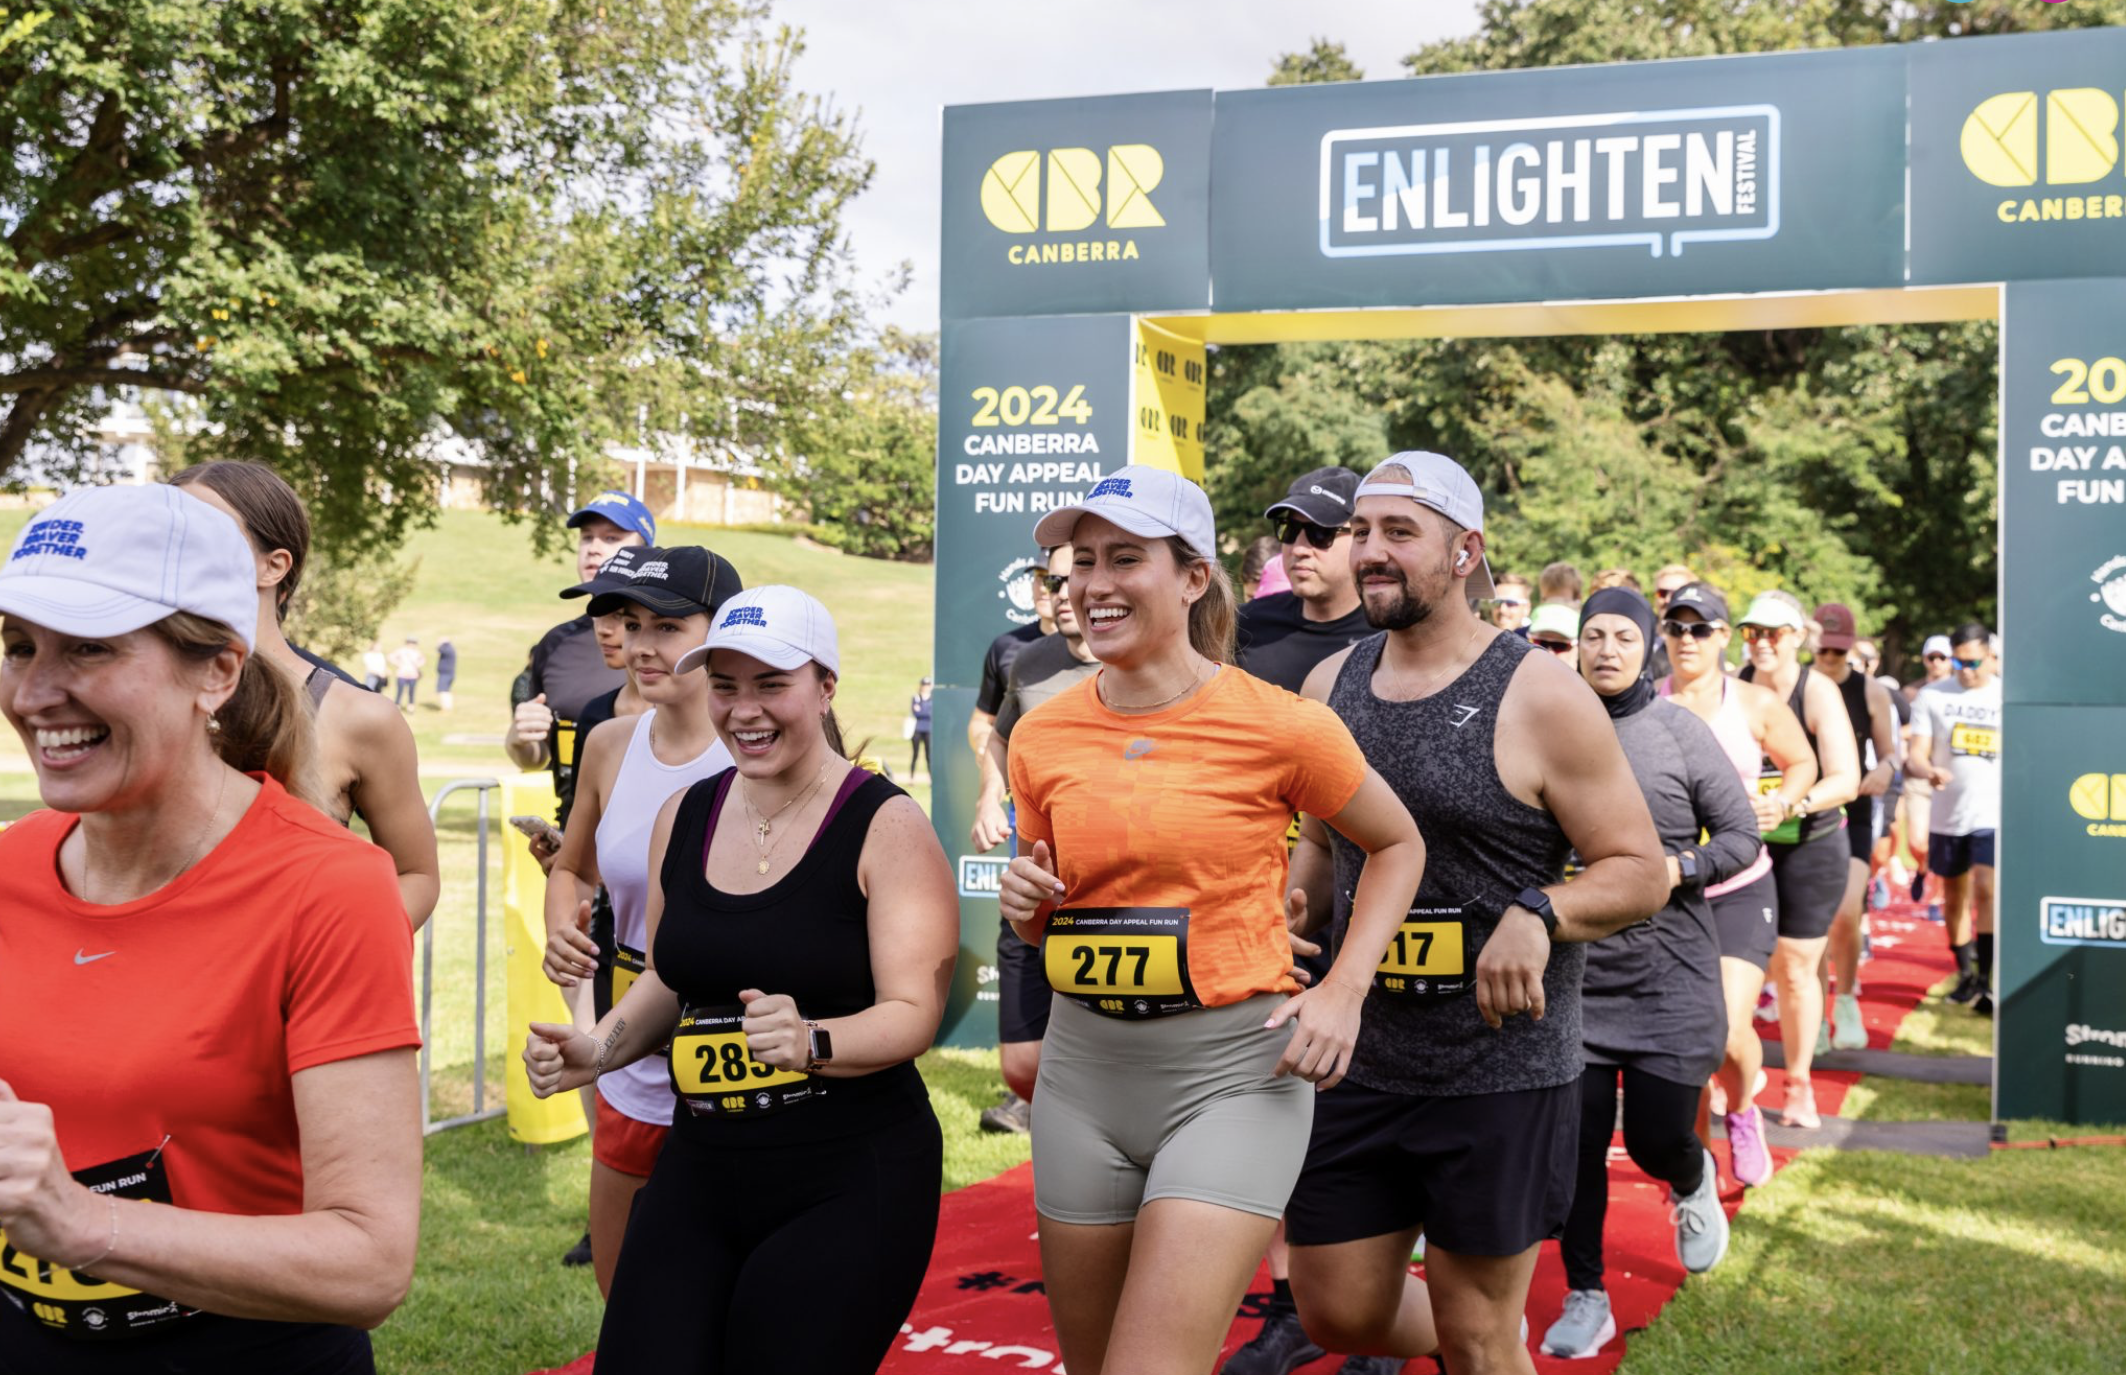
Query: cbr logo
2100, 799
2001, 143
1011, 189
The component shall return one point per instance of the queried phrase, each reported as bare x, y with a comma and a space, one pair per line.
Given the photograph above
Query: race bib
1427, 959
1982, 742
1787, 832
628, 964
1129, 962
78, 1305
716, 1076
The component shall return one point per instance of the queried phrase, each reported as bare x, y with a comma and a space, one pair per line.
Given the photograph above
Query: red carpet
982, 1307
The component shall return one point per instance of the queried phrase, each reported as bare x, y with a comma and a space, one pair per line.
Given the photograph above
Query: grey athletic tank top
1483, 845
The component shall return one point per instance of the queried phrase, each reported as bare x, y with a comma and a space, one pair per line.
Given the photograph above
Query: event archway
1093, 247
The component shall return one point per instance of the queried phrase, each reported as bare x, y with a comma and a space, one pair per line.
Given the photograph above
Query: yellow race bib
1120, 961
715, 1074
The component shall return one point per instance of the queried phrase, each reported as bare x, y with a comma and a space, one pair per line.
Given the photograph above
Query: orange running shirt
1186, 807
186, 1012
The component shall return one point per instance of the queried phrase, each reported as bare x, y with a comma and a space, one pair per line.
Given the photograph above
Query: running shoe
1584, 1328
1369, 1365
1013, 1115
1717, 1102
1767, 1005
1800, 1112
1847, 1030
1280, 1348
1751, 1159
1983, 1004
1967, 989
1701, 1224
1878, 893
1919, 886
579, 1254
1823, 1039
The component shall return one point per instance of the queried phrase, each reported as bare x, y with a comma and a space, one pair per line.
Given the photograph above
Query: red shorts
621, 1143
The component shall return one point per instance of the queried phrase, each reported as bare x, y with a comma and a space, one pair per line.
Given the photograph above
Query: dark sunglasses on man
1554, 646
1055, 582
1969, 665
1291, 530
1696, 630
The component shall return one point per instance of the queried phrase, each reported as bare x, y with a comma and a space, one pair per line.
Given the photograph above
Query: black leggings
919, 749
1660, 1120
804, 1257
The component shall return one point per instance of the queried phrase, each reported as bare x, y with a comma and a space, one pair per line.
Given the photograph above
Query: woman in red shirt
210, 1137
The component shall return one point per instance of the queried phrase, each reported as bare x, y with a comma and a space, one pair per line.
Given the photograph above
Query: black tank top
1815, 823
806, 935
1483, 845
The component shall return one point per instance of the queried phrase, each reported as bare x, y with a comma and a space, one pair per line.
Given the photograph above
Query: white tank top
642, 1090
1731, 727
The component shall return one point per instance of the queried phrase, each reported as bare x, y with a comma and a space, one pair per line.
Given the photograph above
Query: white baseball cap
1938, 644
780, 626
1153, 502
110, 560
1439, 482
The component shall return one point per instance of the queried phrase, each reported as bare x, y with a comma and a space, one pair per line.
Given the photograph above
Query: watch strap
1538, 902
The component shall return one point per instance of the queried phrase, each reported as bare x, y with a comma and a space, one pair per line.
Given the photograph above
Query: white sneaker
1848, 1032
1583, 1329
1701, 1223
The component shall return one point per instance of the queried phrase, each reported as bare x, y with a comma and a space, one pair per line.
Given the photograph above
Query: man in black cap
1282, 636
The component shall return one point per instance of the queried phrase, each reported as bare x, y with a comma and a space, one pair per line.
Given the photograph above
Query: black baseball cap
1701, 597
1322, 497
681, 580
617, 572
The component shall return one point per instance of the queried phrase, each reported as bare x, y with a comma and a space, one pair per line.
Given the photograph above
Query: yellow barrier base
532, 998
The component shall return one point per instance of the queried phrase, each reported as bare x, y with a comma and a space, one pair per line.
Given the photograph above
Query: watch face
822, 1044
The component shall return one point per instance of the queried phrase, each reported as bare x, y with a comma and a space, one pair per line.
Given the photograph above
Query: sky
898, 62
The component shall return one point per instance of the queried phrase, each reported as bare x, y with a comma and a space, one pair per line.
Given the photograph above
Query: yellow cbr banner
538, 1122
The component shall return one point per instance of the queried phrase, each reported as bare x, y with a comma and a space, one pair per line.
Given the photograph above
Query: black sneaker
579, 1254
1983, 1004
1014, 1115
1968, 989
1371, 1365
1279, 1349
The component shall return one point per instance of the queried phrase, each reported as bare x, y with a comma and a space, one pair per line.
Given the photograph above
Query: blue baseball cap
622, 510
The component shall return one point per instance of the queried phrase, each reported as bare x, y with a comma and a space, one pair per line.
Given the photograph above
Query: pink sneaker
1752, 1163
1801, 1107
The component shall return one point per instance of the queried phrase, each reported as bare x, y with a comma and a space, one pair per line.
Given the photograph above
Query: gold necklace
763, 824
1193, 683
1441, 672
199, 847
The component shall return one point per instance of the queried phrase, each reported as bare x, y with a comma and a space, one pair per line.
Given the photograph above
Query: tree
867, 466
341, 224
1844, 464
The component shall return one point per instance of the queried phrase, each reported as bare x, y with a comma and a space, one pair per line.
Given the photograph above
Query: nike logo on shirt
80, 958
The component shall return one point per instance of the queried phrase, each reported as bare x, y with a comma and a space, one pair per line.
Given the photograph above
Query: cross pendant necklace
762, 824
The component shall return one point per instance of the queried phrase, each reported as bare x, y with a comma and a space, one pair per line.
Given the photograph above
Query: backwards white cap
1439, 482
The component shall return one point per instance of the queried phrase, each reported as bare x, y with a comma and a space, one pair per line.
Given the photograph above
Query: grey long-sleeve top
1651, 996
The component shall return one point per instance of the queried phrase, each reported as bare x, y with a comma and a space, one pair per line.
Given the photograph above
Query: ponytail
265, 725
1213, 617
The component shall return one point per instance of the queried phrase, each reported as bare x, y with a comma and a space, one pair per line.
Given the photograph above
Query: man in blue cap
567, 668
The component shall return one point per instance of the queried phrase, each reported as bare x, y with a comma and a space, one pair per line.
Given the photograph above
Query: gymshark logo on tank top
1653, 179
1462, 715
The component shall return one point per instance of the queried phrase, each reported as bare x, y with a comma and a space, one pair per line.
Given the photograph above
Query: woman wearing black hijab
1653, 1016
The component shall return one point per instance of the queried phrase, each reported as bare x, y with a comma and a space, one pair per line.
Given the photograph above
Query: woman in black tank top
1808, 853
803, 931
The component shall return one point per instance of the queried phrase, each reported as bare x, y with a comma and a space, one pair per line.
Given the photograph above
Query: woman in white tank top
1771, 755
625, 773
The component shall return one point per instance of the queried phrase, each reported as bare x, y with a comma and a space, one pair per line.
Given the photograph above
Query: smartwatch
1687, 865
1538, 902
821, 1043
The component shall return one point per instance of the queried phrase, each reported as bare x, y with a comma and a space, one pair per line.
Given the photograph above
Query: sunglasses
1969, 665
1936, 658
1291, 530
1754, 633
1055, 582
1696, 630
1554, 646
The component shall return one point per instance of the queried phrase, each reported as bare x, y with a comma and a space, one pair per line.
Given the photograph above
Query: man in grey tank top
1460, 1115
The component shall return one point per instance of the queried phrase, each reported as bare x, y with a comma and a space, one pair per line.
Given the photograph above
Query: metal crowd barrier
480, 1111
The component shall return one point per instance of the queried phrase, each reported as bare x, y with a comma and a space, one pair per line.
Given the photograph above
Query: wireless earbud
1460, 559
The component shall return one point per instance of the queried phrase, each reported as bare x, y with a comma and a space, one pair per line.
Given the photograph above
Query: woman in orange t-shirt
210, 1141
1171, 1114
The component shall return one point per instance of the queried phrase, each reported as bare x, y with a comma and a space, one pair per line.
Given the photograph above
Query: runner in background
1956, 738
1666, 583
1281, 636
1049, 666
1651, 1003
1875, 730
209, 1106
1559, 582
1934, 657
1555, 629
366, 761
628, 769
1262, 551
996, 662
1173, 1104
803, 930
1614, 577
1808, 855
1509, 604
1755, 729
567, 667
1461, 1116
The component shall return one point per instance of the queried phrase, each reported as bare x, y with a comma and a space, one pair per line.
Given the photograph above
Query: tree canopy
339, 224
1854, 464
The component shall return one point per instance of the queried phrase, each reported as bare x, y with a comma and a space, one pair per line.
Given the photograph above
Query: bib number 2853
716, 1075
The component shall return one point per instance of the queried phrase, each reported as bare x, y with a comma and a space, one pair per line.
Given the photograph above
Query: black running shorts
1811, 878
1022, 988
1487, 1174
1748, 921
